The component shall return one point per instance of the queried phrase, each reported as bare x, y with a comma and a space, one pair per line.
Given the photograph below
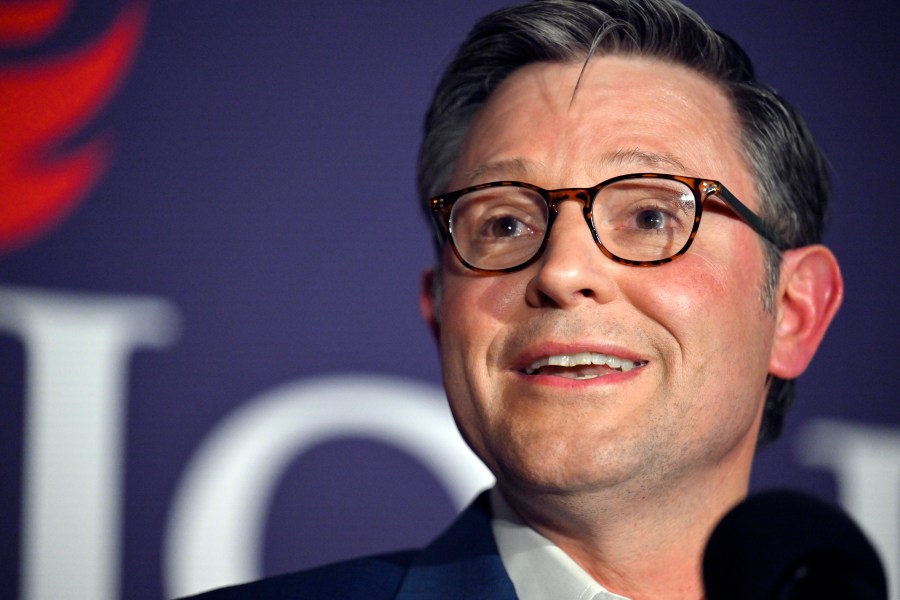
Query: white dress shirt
538, 568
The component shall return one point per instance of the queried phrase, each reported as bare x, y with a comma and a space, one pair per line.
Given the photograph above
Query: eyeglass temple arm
439, 227
750, 217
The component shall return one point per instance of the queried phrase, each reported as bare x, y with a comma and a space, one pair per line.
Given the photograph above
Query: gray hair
790, 171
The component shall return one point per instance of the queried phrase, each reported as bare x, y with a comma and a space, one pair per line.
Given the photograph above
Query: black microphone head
784, 545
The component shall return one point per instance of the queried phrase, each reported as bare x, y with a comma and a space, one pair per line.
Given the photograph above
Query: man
628, 281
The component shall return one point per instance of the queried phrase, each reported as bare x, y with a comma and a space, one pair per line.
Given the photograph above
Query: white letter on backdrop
866, 464
215, 528
76, 351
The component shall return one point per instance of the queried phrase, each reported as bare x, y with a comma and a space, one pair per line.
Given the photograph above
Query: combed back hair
790, 171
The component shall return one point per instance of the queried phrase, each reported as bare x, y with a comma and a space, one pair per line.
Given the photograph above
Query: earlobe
429, 302
809, 294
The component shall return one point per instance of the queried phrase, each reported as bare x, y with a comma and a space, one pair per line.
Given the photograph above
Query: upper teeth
581, 358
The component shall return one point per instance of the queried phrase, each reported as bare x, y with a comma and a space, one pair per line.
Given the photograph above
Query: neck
639, 541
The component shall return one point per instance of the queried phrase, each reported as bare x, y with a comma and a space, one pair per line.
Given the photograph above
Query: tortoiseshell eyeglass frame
441, 207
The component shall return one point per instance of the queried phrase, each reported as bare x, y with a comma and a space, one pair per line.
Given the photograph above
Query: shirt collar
538, 568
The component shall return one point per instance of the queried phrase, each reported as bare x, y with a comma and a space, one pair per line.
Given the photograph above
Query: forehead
574, 126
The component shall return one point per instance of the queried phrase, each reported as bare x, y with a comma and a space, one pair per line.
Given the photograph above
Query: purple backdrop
260, 196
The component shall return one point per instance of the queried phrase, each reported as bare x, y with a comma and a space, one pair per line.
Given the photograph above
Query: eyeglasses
641, 219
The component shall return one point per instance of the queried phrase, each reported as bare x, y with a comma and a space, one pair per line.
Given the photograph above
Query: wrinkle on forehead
653, 124
638, 156
517, 167
521, 168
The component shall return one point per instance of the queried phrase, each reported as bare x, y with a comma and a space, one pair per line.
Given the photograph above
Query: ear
809, 294
429, 303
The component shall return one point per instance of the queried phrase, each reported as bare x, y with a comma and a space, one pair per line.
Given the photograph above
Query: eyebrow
505, 167
633, 157
644, 158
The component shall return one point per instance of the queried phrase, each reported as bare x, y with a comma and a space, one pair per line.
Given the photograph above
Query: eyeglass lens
642, 219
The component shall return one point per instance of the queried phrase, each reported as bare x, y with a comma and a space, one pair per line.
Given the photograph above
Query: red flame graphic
26, 22
42, 102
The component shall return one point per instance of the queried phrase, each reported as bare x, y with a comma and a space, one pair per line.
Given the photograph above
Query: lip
533, 353
536, 352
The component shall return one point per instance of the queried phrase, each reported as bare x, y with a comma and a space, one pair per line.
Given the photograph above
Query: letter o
215, 525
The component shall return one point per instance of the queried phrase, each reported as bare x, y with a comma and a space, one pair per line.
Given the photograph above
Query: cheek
716, 346
475, 307
711, 309
474, 313
686, 294
724, 271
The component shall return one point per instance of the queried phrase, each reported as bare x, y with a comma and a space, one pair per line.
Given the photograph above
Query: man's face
695, 329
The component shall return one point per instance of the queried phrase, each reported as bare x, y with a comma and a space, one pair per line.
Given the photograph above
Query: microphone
784, 545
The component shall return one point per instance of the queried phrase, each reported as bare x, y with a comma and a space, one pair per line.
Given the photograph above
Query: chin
561, 467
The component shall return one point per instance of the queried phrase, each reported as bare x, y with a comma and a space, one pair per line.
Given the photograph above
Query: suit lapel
461, 563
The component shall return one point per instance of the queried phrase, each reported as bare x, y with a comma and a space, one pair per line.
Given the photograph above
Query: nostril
587, 293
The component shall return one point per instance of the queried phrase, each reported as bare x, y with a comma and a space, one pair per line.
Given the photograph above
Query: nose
572, 269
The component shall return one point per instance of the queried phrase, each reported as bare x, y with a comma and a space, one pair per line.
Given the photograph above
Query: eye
651, 219
498, 226
505, 227
656, 213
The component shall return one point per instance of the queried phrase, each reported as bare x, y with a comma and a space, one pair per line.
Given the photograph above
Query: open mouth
581, 365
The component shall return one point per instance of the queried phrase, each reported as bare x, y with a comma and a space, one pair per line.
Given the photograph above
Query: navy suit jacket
462, 563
